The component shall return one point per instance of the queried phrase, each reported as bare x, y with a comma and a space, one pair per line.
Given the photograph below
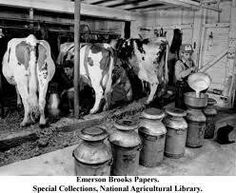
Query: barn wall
197, 27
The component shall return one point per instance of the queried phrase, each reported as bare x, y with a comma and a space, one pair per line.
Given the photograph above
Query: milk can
92, 157
126, 145
153, 133
176, 132
210, 113
196, 127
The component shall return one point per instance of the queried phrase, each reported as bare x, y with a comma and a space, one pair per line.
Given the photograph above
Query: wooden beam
77, 57
182, 3
93, 1
159, 8
140, 5
62, 6
185, 3
118, 2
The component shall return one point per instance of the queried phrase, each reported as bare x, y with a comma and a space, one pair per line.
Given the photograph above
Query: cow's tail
5, 66
32, 83
166, 76
109, 82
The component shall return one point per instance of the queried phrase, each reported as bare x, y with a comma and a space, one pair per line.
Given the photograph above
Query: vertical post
31, 17
127, 29
77, 56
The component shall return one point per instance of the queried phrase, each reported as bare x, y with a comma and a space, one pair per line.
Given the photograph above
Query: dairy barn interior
121, 58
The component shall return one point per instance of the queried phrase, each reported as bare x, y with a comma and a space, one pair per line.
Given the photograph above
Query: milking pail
126, 145
153, 134
92, 157
53, 101
176, 132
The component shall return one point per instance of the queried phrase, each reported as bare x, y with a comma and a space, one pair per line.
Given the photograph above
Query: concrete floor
212, 159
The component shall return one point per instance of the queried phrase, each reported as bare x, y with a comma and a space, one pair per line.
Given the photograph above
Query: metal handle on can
129, 158
180, 131
201, 131
110, 162
140, 147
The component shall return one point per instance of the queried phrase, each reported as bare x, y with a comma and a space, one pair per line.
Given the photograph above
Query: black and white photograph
113, 95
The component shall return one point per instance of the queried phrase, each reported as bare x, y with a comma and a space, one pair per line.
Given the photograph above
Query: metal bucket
210, 113
196, 128
126, 146
192, 101
92, 157
152, 133
176, 133
53, 105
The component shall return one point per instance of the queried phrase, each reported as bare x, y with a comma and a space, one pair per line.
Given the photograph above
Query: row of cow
27, 64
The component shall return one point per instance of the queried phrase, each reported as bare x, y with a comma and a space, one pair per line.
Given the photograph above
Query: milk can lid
176, 112
93, 134
126, 124
153, 128
153, 113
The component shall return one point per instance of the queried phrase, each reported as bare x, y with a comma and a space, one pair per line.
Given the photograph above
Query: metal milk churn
176, 132
196, 127
126, 145
153, 134
92, 157
195, 118
210, 113
53, 101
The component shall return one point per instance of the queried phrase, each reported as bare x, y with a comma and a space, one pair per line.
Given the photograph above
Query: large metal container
196, 127
126, 146
92, 157
210, 113
176, 132
153, 133
192, 101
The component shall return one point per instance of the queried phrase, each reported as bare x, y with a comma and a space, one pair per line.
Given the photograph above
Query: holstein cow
96, 65
27, 64
146, 59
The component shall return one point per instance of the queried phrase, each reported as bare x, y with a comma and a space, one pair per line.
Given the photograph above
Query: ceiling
135, 5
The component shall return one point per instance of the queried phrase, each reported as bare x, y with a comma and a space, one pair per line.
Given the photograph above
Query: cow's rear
27, 64
96, 65
145, 58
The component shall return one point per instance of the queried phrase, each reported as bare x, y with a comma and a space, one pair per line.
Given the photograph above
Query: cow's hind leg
108, 83
153, 89
18, 99
24, 94
98, 96
43, 86
107, 94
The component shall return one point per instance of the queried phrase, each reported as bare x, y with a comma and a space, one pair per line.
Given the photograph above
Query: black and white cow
146, 59
96, 66
28, 65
